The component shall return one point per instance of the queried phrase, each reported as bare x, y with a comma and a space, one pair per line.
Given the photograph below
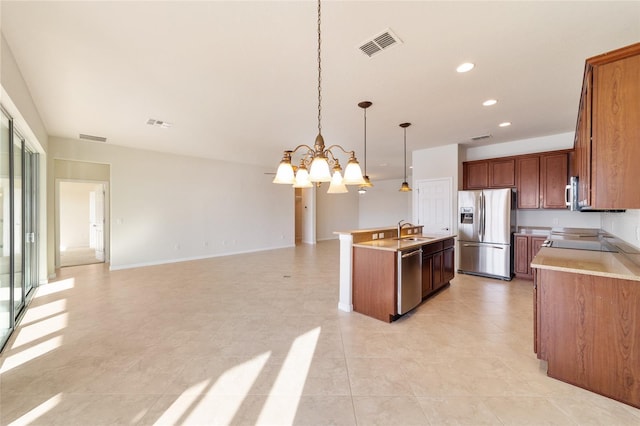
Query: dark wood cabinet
528, 182
542, 179
526, 248
502, 173
554, 177
476, 175
586, 329
493, 173
375, 282
608, 131
438, 264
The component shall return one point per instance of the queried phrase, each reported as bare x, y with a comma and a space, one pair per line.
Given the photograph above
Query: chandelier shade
318, 161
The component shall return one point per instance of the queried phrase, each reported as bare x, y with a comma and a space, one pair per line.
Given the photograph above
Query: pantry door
435, 206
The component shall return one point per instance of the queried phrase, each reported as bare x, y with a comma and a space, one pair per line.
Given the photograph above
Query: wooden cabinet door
528, 182
554, 176
521, 264
438, 270
448, 265
427, 275
582, 144
502, 173
616, 134
534, 248
476, 175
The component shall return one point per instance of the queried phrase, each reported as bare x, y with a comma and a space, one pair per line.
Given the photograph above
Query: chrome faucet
401, 225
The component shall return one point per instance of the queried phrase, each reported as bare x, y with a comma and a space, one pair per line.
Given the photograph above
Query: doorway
81, 212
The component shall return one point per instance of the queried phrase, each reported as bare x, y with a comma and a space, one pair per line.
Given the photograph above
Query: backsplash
564, 218
625, 226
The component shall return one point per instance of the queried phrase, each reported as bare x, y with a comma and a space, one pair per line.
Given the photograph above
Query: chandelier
319, 164
367, 183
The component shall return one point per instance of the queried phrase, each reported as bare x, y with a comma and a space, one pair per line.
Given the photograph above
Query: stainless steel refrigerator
486, 223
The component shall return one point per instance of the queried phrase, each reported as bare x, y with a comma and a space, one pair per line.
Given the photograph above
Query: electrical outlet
555, 221
375, 236
381, 235
638, 233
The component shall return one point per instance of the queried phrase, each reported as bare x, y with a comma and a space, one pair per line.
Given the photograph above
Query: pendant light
405, 185
318, 159
362, 190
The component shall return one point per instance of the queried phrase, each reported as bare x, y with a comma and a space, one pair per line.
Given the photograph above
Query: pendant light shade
318, 159
405, 185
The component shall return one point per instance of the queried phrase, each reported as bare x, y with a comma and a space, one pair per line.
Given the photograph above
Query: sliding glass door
18, 225
6, 291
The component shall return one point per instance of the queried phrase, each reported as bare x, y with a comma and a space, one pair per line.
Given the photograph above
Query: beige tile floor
258, 339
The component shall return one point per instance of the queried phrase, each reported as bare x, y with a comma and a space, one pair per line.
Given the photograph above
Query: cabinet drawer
432, 248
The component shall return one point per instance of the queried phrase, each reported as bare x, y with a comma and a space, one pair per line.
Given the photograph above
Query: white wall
518, 147
335, 212
434, 163
383, 205
166, 208
623, 225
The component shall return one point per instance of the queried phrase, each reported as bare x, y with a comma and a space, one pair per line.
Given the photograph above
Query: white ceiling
237, 79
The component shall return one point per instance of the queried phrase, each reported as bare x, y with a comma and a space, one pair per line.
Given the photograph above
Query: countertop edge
400, 245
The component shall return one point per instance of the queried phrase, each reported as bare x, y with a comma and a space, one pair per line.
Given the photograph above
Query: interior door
435, 208
96, 222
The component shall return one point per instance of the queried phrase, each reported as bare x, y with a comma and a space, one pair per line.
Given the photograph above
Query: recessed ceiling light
505, 124
467, 66
490, 102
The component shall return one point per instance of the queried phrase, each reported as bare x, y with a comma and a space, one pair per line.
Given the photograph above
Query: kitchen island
369, 268
587, 319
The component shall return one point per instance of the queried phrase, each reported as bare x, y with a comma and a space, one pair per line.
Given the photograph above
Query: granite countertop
392, 244
605, 264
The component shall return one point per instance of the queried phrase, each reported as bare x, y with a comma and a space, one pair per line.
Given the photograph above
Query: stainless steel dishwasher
409, 279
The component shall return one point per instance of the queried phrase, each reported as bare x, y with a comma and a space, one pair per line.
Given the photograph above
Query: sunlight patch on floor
55, 287
36, 313
33, 415
40, 329
195, 403
25, 355
290, 380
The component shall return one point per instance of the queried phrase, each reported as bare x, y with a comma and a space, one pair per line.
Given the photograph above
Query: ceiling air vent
481, 137
92, 138
378, 43
158, 123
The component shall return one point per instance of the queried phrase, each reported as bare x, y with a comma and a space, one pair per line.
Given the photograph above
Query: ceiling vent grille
481, 137
158, 123
92, 138
377, 44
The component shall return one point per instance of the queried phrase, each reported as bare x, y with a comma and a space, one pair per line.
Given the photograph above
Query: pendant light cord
405, 154
365, 141
319, 76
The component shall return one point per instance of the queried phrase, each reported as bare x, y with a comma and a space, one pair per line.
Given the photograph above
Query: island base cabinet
587, 328
374, 283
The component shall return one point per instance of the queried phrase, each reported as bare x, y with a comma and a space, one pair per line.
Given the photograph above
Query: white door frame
107, 225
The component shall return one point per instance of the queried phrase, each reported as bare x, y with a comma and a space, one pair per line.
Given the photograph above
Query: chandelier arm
352, 153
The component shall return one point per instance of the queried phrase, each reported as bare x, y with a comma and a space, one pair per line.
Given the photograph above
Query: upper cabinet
540, 179
607, 143
494, 173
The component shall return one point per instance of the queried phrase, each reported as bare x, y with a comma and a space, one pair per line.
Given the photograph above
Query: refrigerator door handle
482, 245
481, 219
